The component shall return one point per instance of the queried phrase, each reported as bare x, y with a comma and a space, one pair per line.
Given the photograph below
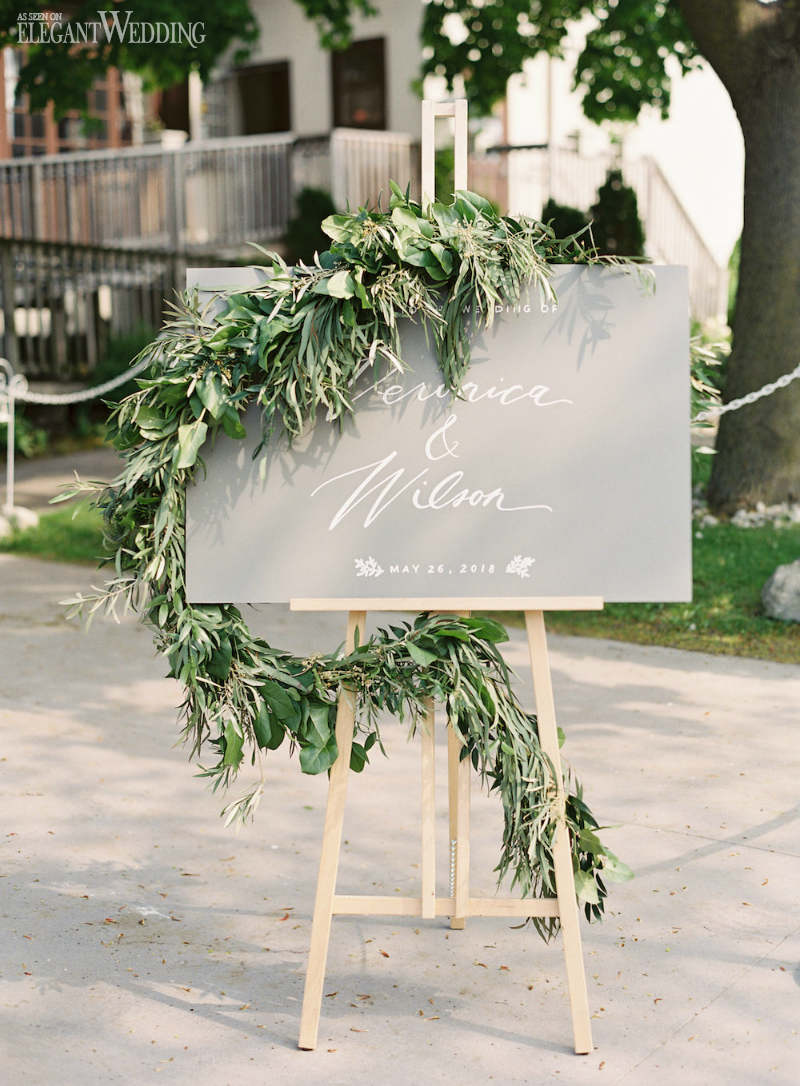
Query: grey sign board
562, 470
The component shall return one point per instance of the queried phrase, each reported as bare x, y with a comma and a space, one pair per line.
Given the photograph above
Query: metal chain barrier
751, 397
14, 386
22, 392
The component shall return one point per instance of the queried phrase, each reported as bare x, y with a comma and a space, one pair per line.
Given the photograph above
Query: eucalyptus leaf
319, 759
233, 746
190, 441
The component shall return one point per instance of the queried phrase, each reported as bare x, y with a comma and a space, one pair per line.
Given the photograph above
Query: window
27, 133
264, 97
359, 85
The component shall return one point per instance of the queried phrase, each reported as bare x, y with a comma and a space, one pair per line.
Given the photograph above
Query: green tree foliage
564, 220
304, 234
62, 74
621, 68
334, 19
616, 226
622, 65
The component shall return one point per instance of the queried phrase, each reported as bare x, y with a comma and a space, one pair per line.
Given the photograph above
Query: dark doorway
359, 85
173, 110
264, 97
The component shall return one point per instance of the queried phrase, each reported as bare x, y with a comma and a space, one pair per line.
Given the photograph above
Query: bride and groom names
377, 485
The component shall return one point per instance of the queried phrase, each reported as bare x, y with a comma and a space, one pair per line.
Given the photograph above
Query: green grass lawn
59, 538
730, 568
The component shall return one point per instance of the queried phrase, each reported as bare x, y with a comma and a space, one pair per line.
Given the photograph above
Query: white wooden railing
522, 179
204, 195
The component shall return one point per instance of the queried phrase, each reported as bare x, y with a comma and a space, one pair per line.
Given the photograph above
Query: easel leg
458, 782
565, 880
428, 872
329, 859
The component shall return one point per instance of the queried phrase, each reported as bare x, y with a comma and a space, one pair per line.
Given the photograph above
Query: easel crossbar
371, 905
450, 604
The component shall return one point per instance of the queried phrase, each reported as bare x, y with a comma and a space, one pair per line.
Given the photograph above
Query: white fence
209, 195
217, 191
522, 179
78, 229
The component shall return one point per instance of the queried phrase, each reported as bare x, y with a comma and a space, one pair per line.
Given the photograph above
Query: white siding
286, 34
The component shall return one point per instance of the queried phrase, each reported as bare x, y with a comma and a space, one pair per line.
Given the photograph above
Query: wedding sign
561, 469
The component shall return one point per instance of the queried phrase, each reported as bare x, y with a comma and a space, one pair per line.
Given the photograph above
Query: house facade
289, 83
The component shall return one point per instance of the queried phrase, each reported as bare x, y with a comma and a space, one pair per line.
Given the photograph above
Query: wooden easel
458, 905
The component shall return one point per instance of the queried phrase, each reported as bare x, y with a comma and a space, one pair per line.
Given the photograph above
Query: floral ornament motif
520, 566
292, 346
367, 567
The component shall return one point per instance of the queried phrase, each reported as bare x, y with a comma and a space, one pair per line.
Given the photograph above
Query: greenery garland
295, 346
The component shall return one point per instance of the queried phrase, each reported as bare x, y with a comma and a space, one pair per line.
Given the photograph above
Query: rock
20, 518
743, 518
781, 594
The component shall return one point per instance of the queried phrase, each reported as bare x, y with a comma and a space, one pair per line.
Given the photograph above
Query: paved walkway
143, 942
40, 479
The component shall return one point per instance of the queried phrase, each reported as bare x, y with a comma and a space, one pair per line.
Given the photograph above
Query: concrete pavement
39, 480
143, 942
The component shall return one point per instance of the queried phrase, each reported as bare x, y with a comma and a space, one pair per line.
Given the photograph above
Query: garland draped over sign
295, 346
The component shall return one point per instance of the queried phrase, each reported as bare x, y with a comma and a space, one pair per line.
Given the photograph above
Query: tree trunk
755, 50
758, 446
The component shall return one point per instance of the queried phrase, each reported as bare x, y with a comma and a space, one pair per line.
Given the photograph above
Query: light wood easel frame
459, 904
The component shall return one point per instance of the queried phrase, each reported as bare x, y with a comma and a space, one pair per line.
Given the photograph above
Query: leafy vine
295, 346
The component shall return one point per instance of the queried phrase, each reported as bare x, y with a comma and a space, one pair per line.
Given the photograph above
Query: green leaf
190, 441
471, 200
232, 425
586, 888
338, 227
614, 869
210, 392
286, 709
318, 759
219, 666
358, 757
149, 418
443, 255
233, 745
317, 731
340, 285
488, 629
421, 656
268, 730
405, 217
